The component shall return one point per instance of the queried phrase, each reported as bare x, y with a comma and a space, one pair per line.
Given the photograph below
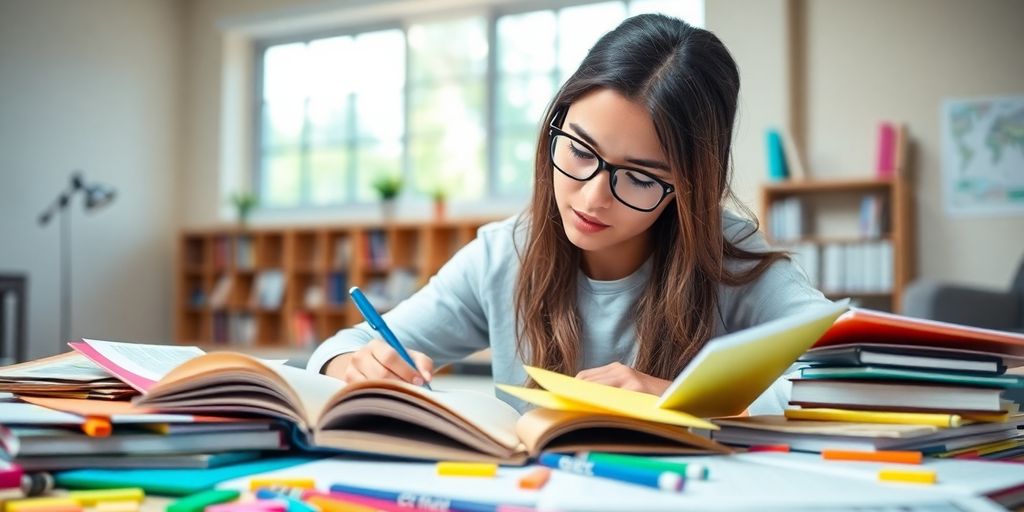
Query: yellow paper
731, 371
621, 401
549, 400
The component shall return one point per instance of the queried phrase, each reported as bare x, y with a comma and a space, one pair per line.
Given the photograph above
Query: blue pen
374, 319
664, 480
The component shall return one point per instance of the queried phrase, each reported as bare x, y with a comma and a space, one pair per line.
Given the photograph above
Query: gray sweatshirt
469, 306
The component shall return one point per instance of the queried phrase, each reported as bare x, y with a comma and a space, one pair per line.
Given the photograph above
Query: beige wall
91, 85
878, 59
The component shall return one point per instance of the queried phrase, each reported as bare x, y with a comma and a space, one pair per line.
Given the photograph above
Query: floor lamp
96, 197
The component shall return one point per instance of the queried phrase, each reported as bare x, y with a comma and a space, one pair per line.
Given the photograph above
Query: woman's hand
622, 376
377, 360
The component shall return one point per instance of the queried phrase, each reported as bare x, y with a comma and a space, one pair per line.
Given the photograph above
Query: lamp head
98, 196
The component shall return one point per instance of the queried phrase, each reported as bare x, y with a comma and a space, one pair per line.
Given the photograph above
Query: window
431, 101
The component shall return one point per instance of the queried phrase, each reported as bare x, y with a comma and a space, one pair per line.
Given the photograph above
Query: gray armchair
978, 307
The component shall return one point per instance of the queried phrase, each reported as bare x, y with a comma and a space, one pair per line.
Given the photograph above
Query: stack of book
883, 381
72, 410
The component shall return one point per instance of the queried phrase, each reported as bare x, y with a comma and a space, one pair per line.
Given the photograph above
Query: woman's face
622, 133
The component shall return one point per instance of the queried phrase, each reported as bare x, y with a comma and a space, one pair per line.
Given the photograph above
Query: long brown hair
689, 84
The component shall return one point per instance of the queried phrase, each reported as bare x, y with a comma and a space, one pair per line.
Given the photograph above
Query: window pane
280, 178
522, 99
690, 11
380, 114
455, 49
328, 175
580, 27
330, 64
447, 107
282, 123
455, 161
526, 42
284, 73
376, 158
516, 154
379, 61
328, 121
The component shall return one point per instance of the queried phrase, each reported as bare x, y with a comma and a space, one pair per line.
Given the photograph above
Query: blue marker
422, 501
374, 319
664, 480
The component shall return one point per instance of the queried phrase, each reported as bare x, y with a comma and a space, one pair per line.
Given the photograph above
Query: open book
398, 419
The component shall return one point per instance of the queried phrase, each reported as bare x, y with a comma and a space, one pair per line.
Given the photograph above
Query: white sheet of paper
412, 477
735, 484
149, 361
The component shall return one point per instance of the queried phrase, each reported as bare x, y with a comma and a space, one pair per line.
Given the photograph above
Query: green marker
198, 502
688, 470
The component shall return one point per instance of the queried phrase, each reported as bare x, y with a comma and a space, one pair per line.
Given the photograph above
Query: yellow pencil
467, 469
903, 418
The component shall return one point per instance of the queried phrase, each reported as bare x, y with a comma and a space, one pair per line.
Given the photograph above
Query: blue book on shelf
777, 170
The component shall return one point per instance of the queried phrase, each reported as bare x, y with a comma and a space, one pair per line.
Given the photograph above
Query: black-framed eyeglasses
639, 190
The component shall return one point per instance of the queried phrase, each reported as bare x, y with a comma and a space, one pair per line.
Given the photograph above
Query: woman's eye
639, 180
579, 153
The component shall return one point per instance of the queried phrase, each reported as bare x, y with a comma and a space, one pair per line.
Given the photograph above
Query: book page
69, 366
138, 365
485, 415
235, 382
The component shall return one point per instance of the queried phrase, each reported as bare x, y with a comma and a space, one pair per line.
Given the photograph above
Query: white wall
91, 85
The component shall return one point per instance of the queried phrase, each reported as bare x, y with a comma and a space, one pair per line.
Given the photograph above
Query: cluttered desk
886, 412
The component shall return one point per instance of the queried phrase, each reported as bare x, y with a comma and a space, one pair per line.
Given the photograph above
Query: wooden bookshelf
888, 248
286, 288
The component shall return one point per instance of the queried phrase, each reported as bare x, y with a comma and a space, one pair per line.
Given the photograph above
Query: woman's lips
587, 223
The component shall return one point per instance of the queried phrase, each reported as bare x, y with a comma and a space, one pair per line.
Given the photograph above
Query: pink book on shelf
886, 165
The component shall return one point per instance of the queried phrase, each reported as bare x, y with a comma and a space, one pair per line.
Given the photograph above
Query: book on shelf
794, 160
221, 292
303, 329
889, 150
269, 290
776, 156
244, 255
342, 253
313, 297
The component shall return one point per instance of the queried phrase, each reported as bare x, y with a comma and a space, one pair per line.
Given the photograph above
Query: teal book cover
878, 373
777, 170
171, 482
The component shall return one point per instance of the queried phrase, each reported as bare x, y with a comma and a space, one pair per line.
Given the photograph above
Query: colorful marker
44, 505
199, 502
272, 482
914, 476
294, 505
687, 469
467, 469
407, 500
90, 498
664, 480
896, 457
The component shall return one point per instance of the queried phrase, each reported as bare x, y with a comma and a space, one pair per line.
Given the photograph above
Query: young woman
626, 262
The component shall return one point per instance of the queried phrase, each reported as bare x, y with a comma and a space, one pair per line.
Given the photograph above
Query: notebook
892, 396
905, 357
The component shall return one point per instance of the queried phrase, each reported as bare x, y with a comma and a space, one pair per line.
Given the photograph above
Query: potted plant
439, 194
388, 186
244, 202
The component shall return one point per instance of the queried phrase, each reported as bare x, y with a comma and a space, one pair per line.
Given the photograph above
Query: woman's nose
597, 192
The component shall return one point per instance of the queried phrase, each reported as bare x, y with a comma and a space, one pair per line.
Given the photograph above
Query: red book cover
868, 326
886, 165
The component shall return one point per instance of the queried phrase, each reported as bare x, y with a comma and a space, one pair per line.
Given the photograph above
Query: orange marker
783, 448
95, 426
897, 457
535, 479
